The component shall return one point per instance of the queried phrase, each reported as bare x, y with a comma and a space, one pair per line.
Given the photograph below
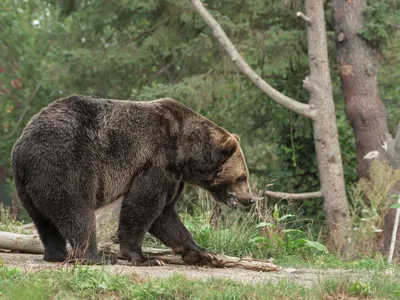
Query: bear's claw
148, 263
198, 257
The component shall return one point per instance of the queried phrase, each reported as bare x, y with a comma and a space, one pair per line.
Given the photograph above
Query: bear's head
230, 184
211, 158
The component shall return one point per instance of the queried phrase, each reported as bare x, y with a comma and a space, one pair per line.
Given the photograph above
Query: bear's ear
229, 146
236, 137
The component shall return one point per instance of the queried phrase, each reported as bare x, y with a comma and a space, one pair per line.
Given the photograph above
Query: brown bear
80, 153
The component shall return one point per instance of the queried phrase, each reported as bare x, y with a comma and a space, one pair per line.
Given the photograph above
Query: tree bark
3, 172
391, 155
326, 139
358, 70
321, 110
21, 242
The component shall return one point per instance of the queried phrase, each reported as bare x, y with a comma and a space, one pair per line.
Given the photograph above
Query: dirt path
304, 276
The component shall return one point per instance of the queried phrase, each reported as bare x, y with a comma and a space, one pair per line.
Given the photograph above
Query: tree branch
300, 196
237, 59
303, 16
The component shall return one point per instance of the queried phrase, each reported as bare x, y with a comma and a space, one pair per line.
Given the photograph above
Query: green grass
237, 237
83, 282
377, 263
241, 237
229, 238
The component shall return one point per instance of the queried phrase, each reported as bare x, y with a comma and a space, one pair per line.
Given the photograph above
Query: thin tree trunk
320, 110
326, 139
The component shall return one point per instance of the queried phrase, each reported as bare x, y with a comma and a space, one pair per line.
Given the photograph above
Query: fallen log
21, 242
219, 261
32, 244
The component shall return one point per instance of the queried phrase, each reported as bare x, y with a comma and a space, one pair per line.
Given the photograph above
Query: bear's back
89, 129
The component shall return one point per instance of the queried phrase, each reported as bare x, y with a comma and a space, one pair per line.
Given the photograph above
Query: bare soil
303, 276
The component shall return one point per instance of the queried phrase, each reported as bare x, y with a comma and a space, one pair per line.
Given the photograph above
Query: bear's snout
250, 201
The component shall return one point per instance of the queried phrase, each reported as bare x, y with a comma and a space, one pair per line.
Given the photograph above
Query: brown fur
79, 153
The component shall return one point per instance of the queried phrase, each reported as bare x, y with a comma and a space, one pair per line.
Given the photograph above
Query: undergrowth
260, 233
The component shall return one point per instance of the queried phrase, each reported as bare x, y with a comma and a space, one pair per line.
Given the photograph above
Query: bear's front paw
199, 257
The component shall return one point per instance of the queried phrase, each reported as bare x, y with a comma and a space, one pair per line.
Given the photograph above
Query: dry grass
371, 202
7, 222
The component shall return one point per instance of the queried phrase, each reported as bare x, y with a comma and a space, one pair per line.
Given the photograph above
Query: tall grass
7, 222
261, 233
371, 201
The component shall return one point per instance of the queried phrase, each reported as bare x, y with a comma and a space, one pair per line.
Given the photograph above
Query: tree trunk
3, 172
326, 139
321, 110
358, 71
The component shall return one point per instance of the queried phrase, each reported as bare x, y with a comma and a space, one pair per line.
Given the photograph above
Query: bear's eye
241, 178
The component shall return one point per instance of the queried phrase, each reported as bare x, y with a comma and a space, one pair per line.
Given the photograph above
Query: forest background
143, 50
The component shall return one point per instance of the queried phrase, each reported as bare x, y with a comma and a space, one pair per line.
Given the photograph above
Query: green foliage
379, 21
277, 237
233, 237
362, 289
247, 235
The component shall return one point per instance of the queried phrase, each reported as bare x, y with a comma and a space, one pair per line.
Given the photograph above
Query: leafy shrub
276, 236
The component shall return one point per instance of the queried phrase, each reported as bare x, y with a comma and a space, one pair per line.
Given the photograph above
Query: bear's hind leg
55, 249
82, 238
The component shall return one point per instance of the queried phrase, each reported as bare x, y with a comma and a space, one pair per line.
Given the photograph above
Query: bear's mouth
233, 202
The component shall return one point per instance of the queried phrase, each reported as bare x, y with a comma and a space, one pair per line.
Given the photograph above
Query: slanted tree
358, 62
320, 110
358, 57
